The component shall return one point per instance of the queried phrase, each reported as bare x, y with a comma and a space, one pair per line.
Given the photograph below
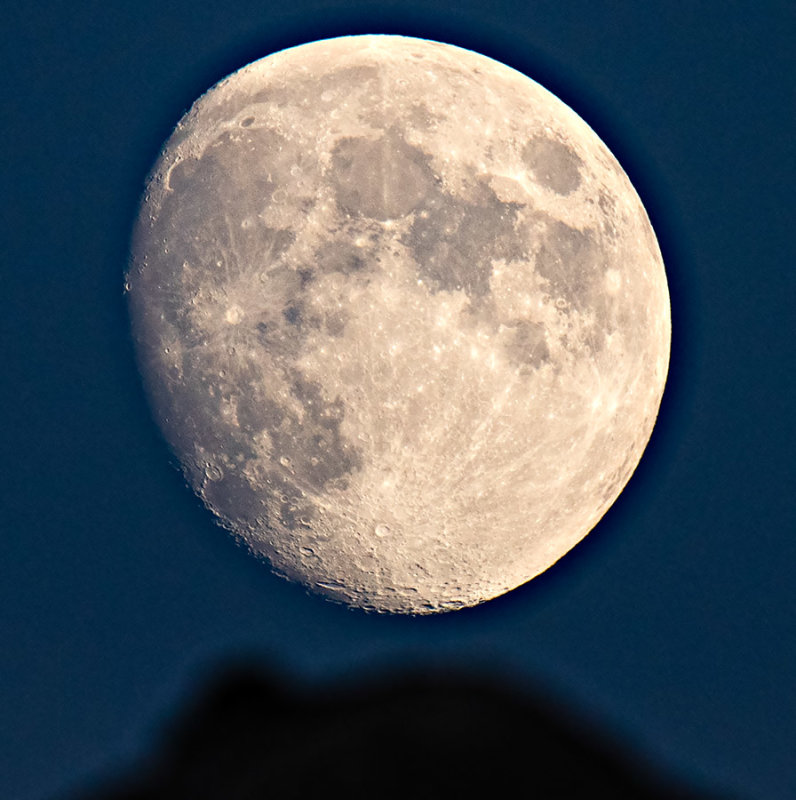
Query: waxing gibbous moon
402, 318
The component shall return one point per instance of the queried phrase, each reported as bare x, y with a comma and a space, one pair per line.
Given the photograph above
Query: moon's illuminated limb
402, 318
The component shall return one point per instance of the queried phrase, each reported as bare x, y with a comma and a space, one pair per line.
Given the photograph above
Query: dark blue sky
673, 624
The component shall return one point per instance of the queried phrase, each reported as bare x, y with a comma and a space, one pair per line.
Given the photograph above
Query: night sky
672, 625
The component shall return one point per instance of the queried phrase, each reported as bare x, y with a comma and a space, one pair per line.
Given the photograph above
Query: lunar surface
401, 317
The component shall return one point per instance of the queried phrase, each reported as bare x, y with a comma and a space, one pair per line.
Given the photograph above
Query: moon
401, 317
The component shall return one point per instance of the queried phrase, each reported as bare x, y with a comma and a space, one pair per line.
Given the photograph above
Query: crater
205, 241
234, 500
293, 512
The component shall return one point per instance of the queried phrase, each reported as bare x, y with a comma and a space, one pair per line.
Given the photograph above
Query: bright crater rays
402, 318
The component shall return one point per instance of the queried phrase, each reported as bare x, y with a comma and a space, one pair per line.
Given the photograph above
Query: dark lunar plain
669, 632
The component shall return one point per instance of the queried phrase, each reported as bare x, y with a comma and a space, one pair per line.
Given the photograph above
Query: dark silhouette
250, 736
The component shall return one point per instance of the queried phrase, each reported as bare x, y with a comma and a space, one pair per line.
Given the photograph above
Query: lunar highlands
401, 317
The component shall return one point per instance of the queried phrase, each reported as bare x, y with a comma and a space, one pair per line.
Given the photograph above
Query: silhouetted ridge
250, 737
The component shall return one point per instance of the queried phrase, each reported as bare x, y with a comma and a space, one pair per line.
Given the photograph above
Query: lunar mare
401, 317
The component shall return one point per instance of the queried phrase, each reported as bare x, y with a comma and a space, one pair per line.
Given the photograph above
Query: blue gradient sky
673, 624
